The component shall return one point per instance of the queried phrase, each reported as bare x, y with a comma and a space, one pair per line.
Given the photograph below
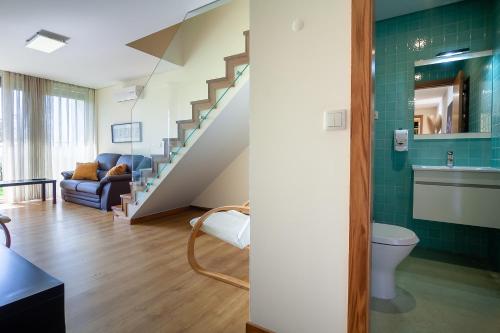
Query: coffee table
30, 299
33, 181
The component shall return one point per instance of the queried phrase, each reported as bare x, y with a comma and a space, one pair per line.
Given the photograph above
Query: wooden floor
130, 278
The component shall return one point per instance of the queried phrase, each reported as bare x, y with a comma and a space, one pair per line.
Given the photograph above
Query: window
71, 112
47, 127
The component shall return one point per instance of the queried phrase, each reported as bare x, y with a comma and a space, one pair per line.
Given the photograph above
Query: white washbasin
454, 168
460, 195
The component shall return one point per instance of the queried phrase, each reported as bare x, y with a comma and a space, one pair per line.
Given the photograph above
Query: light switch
328, 120
334, 120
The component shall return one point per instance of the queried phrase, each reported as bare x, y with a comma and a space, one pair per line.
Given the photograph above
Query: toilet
390, 245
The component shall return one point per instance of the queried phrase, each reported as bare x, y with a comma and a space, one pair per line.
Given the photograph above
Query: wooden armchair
3, 221
245, 209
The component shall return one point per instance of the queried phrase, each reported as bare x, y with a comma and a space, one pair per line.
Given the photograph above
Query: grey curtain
26, 130
47, 127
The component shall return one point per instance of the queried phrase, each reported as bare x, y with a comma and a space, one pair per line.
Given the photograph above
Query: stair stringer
217, 144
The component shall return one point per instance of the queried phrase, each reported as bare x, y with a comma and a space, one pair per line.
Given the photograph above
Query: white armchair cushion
231, 227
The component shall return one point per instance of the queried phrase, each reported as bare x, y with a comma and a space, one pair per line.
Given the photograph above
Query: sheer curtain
26, 131
47, 126
73, 126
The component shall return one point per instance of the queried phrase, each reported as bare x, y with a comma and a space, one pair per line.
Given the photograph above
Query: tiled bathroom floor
439, 297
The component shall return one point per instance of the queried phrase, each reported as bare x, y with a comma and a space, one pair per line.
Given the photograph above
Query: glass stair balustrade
174, 147
188, 130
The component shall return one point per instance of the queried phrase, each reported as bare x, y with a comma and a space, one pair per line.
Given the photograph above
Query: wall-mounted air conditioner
127, 93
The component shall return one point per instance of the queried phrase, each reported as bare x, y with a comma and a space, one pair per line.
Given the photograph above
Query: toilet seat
392, 235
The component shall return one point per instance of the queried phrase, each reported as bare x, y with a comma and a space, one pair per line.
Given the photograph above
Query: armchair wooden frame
3, 221
245, 209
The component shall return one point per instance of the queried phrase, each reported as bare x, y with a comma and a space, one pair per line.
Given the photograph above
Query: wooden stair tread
121, 218
201, 101
159, 157
220, 79
236, 56
171, 144
171, 140
214, 86
189, 125
117, 210
119, 214
184, 121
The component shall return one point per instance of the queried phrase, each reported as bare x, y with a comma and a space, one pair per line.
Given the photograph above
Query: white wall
205, 41
426, 111
449, 100
109, 112
299, 174
230, 187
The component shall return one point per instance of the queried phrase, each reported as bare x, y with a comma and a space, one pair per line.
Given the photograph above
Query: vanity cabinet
462, 195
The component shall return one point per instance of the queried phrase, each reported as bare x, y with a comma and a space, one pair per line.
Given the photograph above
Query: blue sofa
105, 192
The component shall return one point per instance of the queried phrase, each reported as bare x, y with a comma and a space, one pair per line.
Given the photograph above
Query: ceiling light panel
46, 41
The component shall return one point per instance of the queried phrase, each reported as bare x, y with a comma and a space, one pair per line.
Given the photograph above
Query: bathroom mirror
453, 95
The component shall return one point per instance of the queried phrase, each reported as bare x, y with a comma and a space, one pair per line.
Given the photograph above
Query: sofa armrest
119, 178
67, 174
111, 190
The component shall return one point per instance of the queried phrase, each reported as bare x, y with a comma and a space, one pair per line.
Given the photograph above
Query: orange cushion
86, 171
119, 169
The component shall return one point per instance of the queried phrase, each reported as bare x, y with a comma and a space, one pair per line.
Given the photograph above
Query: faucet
450, 159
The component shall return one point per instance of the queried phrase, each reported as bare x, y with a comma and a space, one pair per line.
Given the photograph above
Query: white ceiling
96, 55
430, 96
385, 9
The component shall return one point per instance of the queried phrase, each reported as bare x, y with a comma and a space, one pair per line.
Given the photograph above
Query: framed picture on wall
126, 132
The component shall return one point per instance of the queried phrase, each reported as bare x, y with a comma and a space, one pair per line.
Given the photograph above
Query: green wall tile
399, 42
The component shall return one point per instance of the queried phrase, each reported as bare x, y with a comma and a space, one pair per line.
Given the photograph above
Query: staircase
120, 211
195, 142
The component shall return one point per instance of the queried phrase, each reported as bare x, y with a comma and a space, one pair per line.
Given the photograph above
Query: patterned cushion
119, 169
85, 171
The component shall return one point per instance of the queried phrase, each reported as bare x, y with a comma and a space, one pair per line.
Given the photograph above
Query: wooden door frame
360, 173
420, 118
434, 83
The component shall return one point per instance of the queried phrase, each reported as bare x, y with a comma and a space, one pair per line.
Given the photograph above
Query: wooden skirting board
120, 212
159, 215
202, 208
253, 328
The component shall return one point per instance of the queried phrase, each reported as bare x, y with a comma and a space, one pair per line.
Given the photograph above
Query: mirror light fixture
452, 52
46, 41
